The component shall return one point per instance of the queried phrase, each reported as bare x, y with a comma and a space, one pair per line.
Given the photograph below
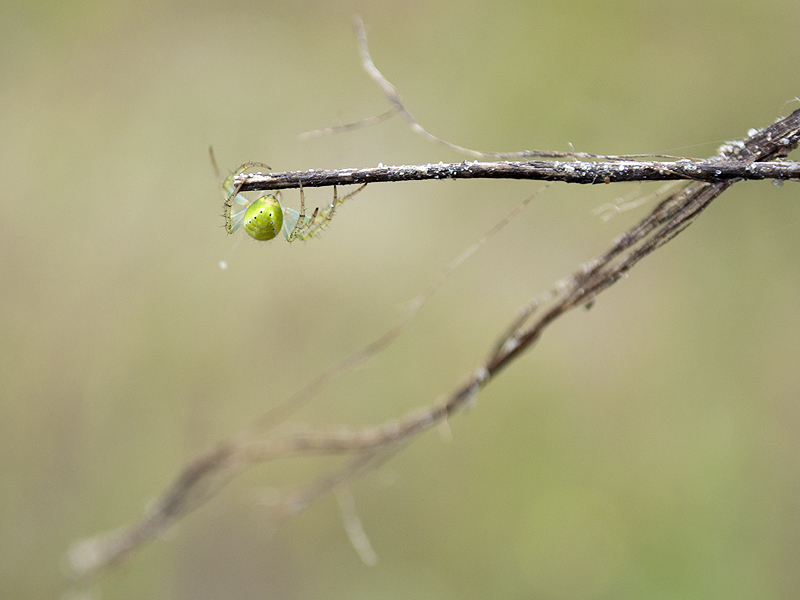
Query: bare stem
398, 107
710, 170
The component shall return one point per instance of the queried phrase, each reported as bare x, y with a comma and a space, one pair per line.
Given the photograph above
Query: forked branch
366, 447
202, 478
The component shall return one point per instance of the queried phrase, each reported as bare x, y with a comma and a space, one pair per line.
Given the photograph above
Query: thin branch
352, 526
398, 107
711, 170
368, 122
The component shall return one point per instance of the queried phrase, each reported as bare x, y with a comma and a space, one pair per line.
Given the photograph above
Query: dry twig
718, 169
398, 107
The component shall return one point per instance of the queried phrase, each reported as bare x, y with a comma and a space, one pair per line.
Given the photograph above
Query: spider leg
350, 195
320, 219
301, 220
230, 226
232, 193
302, 205
337, 202
227, 185
328, 214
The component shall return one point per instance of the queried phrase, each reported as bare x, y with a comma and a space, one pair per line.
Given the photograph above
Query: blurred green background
647, 448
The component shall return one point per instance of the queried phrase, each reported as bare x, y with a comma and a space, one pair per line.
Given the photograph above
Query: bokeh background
647, 448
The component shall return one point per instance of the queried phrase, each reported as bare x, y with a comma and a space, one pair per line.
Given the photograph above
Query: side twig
398, 107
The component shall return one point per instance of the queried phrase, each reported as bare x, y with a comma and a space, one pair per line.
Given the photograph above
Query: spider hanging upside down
265, 217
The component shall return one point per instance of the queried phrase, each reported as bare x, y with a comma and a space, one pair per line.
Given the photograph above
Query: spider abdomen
263, 218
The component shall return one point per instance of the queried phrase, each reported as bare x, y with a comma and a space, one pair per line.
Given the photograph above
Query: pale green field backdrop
647, 448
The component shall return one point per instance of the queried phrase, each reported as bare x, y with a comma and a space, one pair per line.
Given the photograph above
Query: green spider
265, 217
